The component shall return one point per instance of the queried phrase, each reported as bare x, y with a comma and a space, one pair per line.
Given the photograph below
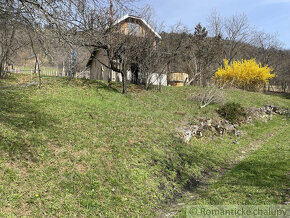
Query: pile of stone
256, 114
264, 113
218, 127
272, 109
199, 127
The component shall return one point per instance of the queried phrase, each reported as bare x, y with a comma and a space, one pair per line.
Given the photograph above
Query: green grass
262, 178
14, 80
84, 149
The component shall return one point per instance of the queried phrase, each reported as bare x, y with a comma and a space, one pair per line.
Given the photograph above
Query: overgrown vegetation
233, 112
81, 148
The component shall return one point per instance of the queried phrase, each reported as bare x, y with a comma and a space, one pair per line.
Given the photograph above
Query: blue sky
271, 16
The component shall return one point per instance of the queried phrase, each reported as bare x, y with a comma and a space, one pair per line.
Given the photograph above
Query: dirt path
212, 179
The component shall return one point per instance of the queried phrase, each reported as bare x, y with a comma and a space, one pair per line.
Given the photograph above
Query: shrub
233, 112
245, 74
208, 95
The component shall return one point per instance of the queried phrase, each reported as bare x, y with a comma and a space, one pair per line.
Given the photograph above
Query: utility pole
111, 12
111, 25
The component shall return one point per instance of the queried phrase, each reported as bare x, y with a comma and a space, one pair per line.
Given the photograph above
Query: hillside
81, 148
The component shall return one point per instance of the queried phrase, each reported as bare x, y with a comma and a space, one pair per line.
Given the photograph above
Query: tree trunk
201, 80
36, 66
147, 82
124, 83
1, 71
160, 83
38, 73
147, 85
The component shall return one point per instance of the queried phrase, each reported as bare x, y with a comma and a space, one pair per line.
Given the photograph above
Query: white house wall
156, 79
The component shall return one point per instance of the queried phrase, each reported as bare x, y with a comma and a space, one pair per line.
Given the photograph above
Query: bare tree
11, 35
215, 24
265, 45
174, 46
237, 32
83, 23
234, 30
204, 52
151, 60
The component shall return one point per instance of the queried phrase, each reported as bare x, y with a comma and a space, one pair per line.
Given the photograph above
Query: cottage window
133, 28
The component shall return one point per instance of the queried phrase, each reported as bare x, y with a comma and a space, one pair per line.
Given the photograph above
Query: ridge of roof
138, 18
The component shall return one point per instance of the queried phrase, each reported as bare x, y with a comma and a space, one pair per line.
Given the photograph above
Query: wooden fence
43, 73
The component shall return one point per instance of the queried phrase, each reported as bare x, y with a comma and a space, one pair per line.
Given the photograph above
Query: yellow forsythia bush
245, 74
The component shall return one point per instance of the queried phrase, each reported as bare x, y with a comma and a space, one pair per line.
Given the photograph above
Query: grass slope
261, 177
81, 148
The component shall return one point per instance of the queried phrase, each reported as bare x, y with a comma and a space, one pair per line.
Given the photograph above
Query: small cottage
127, 25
